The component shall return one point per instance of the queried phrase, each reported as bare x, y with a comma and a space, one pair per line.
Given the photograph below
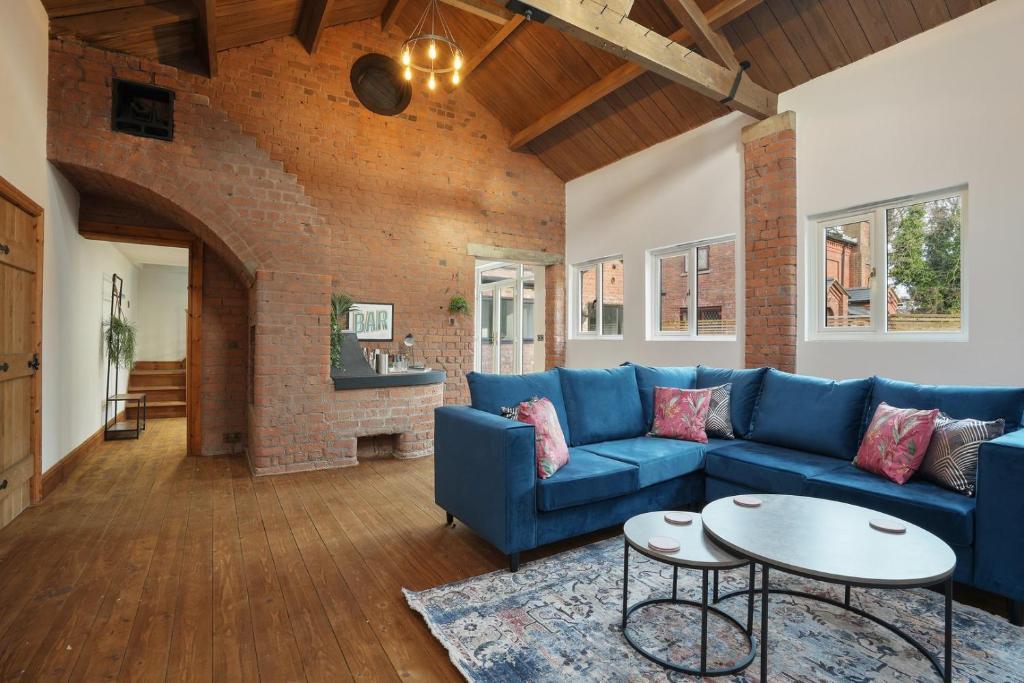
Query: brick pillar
769, 194
554, 316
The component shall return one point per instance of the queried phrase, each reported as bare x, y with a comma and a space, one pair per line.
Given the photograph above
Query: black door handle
3, 484
5, 249
4, 367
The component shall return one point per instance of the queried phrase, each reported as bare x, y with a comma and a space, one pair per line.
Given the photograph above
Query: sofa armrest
485, 474
999, 538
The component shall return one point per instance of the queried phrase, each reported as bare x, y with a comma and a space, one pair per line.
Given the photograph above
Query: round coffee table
696, 551
834, 542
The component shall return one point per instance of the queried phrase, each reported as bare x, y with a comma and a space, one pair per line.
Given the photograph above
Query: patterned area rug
557, 619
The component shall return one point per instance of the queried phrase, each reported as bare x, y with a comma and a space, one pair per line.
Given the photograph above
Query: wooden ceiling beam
718, 16
483, 9
390, 14
101, 26
627, 39
492, 44
312, 22
712, 43
208, 34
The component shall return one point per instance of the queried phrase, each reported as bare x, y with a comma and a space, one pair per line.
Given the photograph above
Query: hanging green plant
458, 305
340, 306
120, 335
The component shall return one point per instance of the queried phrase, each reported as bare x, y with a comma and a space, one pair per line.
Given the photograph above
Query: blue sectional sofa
795, 435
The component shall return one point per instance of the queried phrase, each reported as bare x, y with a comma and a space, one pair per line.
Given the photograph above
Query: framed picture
372, 322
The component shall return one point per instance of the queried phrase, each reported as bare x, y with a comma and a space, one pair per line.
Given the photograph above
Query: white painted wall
685, 189
76, 271
160, 312
941, 109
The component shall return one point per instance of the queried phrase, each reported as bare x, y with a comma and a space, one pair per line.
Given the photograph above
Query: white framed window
598, 298
890, 271
691, 290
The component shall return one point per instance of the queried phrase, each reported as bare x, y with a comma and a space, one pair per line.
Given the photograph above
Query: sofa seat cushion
587, 478
765, 468
602, 404
490, 393
947, 514
811, 413
656, 459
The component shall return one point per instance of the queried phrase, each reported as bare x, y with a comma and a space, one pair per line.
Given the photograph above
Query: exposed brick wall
224, 351
301, 192
769, 165
401, 196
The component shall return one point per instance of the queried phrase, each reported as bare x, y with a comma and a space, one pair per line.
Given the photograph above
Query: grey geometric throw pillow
952, 456
718, 423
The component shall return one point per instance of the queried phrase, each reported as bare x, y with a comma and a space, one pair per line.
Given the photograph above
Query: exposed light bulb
457, 63
406, 57
432, 50
408, 73
455, 78
431, 82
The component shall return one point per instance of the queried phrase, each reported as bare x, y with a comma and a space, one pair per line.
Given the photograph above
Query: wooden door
20, 274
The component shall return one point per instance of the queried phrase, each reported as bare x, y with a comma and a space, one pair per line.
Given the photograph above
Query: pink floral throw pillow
680, 413
551, 450
896, 441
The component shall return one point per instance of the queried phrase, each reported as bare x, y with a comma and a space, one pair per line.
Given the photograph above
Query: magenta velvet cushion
896, 441
681, 413
551, 450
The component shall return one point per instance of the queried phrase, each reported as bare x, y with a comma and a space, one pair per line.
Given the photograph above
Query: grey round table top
695, 548
829, 540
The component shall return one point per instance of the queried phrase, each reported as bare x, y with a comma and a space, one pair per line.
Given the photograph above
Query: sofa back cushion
490, 393
647, 378
746, 385
958, 402
811, 413
602, 405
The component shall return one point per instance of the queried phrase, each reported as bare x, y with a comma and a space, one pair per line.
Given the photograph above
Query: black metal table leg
715, 598
764, 622
750, 600
704, 623
625, 582
846, 598
947, 674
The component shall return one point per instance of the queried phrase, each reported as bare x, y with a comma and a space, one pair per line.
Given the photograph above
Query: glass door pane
486, 330
529, 296
507, 311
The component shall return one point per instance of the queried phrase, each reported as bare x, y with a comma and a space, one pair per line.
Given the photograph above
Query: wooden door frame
171, 237
23, 202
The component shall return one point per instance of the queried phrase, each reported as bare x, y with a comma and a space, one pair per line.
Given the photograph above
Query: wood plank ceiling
576, 107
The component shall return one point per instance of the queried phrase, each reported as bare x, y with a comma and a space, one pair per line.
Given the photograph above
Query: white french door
505, 311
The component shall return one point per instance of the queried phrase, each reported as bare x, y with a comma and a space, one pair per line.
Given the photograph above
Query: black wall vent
143, 110
378, 84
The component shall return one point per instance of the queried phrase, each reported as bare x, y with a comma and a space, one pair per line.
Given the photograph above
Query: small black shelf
396, 379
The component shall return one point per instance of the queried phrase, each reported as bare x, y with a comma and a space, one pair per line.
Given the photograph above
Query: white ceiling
141, 254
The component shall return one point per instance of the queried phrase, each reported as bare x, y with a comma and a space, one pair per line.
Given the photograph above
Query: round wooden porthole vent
377, 82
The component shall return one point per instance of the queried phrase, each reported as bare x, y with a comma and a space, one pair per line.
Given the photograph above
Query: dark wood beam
135, 234
312, 22
208, 34
712, 43
109, 24
390, 14
718, 16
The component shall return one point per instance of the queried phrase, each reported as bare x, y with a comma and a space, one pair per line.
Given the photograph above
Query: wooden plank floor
148, 565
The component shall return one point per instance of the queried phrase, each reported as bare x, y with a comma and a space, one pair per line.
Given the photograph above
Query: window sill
693, 338
603, 337
897, 337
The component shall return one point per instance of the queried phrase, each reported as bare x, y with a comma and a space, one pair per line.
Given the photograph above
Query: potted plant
341, 304
458, 305
120, 336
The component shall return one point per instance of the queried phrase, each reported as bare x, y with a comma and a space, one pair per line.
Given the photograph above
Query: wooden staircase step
158, 409
159, 364
169, 371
